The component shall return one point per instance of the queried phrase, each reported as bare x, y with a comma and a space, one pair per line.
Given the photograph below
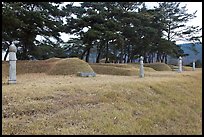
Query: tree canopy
116, 31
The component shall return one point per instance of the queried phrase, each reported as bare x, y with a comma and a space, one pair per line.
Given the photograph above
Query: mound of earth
69, 66
52, 59
118, 69
158, 66
113, 70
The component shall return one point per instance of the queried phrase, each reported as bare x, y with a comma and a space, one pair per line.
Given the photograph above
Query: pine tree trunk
25, 56
107, 59
98, 57
145, 58
128, 54
149, 58
121, 56
87, 55
165, 58
153, 58
162, 58
158, 57
82, 55
7, 51
99, 54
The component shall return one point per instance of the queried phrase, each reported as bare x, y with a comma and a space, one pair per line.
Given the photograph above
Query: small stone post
141, 67
193, 65
12, 64
180, 64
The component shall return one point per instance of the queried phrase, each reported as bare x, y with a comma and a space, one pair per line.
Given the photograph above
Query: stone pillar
193, 65
180, 64
12, 64
141, 67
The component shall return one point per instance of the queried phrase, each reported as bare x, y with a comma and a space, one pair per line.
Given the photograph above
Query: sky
191, 6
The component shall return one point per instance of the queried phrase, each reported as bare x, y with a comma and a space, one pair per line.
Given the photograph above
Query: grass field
163, 102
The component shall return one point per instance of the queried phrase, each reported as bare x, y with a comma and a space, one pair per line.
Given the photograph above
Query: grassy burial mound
158, 66
26, 66
69, 66
52, 60
52, 66
118, 69
111, 70
39, 66
184, 68
146, 68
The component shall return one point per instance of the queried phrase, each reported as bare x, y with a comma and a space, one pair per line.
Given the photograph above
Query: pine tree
175, 19
31, 19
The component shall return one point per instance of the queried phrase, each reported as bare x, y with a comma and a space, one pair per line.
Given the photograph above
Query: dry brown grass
52, 66
112, 70
184, 68
158, 66
5, 69
52, 59
187, 68
69, 66
105, 104
113, 65
118, 69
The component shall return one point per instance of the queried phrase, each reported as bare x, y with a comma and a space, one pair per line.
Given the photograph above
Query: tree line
116, 31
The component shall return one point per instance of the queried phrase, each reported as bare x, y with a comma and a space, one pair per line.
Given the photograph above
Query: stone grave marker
141, 67
180, 64
12, 64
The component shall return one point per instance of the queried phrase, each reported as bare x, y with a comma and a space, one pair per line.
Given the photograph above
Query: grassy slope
158, 66
105, 104
69, 66
52, 66
118, 69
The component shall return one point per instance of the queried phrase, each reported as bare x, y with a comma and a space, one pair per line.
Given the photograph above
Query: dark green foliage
116, 31
23, 21
120, 30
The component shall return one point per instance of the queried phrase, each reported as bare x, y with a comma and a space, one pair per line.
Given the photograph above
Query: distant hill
188, 59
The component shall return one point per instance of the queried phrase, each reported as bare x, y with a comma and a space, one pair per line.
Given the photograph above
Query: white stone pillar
194, 65
141, 67
180, 64
12, 64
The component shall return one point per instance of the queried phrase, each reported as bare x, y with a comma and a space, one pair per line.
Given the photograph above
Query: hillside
188, 59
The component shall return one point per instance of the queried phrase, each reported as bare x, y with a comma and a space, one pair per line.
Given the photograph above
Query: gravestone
194, 65
180, 64
86, 74
12, 64
141, 67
